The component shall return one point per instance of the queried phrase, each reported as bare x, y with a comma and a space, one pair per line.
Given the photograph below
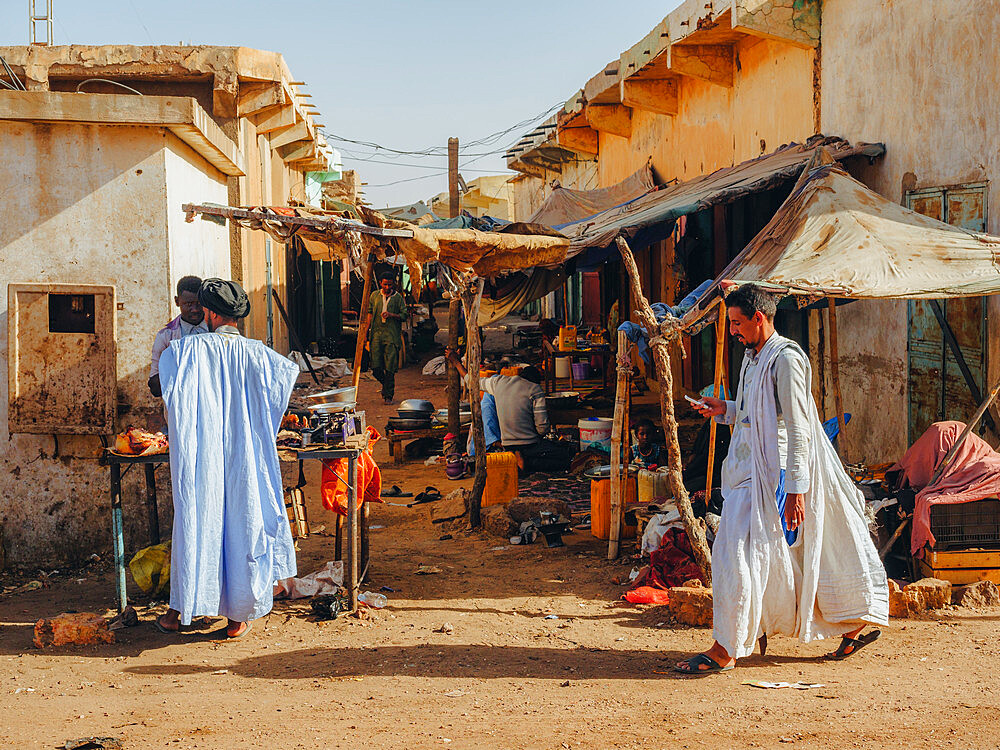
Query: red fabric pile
973, 474
673, 563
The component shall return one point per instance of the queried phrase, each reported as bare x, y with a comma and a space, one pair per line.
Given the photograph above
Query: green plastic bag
151, 569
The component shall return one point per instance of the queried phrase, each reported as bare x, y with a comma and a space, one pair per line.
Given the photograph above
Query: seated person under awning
524, 418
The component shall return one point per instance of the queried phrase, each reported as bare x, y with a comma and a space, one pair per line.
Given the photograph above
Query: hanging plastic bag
151, 569
333, 487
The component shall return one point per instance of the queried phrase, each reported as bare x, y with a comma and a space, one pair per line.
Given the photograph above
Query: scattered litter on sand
779, 685
426, 570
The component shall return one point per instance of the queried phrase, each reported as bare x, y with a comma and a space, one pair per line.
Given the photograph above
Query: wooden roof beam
615, 119
258, 97
714, 63
658, 95
580, 138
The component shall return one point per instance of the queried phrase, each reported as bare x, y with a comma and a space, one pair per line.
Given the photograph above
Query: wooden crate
961, 566
295, 507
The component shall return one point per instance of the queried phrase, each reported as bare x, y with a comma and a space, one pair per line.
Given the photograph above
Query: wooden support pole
471, 297
661, 358
359, 348
713, 426
293, 334
838, 401
946, 461
454, 382
453, 204
619, 429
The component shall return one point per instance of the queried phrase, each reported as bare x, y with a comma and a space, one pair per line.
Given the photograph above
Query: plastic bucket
581, 370
595, 432
562, 367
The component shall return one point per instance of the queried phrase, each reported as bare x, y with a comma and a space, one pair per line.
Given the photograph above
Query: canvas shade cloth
564, 206
835, 237
722, 186
973, 474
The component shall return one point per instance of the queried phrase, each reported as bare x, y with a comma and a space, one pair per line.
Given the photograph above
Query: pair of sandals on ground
703, 664
234, 630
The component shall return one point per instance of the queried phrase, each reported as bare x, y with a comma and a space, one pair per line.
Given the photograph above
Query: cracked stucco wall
922, 78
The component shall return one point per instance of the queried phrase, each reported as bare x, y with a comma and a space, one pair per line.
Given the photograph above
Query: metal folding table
356, 532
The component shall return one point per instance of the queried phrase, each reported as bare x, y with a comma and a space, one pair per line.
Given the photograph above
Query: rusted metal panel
938, 390
61, 364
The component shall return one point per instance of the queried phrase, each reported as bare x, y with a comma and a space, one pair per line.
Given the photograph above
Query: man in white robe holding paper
793, 554
225, 397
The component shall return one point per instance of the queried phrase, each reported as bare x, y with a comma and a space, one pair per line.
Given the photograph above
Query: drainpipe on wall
270, 303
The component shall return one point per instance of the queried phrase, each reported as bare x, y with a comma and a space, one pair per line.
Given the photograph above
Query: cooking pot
416, 404
337, 395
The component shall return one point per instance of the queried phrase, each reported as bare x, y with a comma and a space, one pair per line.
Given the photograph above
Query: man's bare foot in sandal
238, 629
169, 622
852, 642
716, 659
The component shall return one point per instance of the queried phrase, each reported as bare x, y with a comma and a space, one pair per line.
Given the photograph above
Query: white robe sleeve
730, 416
794, 395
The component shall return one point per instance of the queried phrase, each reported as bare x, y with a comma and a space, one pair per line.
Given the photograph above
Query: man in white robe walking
225, 397
793, 554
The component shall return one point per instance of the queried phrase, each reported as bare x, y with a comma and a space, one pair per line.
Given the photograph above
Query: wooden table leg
118, 534
153, 516
338, 544
398, 457
365, 542
352, 532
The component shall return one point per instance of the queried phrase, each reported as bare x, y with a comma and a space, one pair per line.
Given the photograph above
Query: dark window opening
71, 313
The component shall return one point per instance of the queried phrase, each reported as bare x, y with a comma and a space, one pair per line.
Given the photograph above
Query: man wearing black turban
224, 302
225, 396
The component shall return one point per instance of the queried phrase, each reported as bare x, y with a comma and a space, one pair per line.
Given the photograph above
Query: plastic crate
969, 525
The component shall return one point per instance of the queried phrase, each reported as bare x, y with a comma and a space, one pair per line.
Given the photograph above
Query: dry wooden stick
661, 356
359, 347
472, 295
720, 344
838, 401
617, 434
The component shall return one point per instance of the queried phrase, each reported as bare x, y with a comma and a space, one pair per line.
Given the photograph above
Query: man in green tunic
386, 311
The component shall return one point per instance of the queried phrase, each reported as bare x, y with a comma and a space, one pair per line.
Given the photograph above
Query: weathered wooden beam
274, 119
580, 138
259, 96
298, 132
658, 96
714, 63
472, 296
661, 358
615, 119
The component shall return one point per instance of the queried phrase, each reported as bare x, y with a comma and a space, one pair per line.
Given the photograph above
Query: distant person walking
386, 313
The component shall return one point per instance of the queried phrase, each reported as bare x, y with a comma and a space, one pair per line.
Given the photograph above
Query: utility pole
453, 209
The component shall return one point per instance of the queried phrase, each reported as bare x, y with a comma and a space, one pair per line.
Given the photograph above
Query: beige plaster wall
770, 104
921, 78
82, 204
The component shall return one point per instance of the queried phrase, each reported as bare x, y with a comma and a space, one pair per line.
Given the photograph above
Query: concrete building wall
770, 104
200, 247
88, 204
921, 78
527, 192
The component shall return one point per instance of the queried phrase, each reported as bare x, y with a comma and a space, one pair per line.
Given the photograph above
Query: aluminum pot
336, 396
416, 404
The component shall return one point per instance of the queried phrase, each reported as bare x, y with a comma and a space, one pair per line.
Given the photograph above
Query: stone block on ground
691, 605
497, 521
452, 505
978, 595
523, 509
79, 629
920, 596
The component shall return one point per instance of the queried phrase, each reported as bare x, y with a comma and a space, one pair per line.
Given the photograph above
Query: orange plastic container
501, 478
600, 507
513, 370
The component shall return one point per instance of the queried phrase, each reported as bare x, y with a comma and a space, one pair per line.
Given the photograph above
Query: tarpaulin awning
327, 236
722, 186
566, 206
834, 237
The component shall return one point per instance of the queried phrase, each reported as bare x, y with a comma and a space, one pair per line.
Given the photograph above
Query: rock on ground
977, 595
921, 596
452, 505
496, 521
80, 629
691, 605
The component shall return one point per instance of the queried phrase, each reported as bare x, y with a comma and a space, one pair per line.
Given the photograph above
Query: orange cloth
333, 488
972, 475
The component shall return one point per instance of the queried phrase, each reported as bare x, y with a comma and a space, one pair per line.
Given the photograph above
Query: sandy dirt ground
505, 676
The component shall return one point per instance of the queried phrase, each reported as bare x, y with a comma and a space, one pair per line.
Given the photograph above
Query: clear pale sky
406, 75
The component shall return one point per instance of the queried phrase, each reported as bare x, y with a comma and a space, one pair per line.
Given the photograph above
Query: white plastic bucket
653, 485
562, 367
595, 432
